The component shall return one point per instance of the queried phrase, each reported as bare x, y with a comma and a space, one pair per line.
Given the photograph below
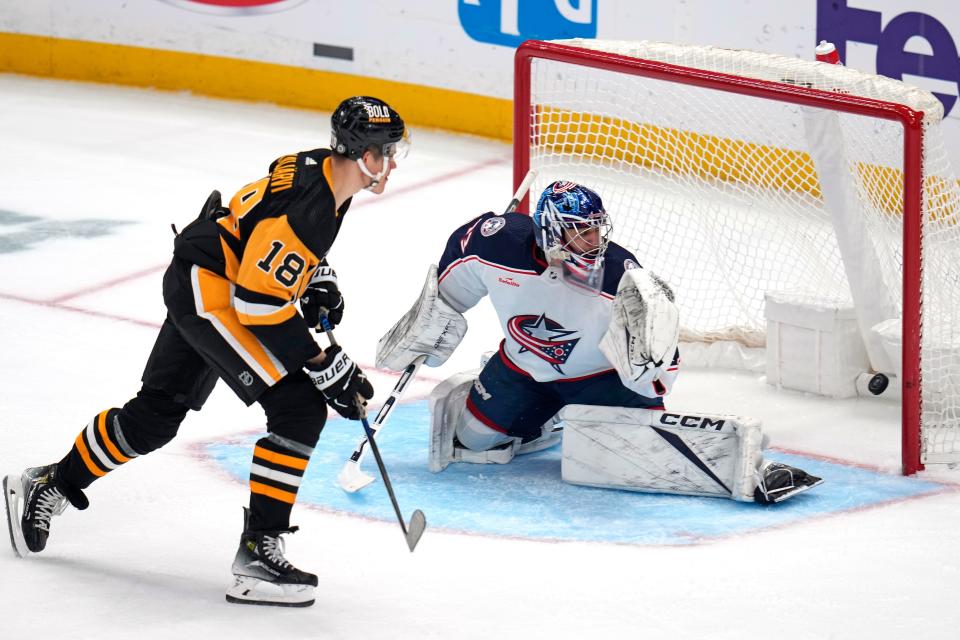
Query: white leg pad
448, 412
449, 418
447, 404
661, 452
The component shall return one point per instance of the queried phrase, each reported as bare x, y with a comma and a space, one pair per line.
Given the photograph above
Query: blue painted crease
527, 498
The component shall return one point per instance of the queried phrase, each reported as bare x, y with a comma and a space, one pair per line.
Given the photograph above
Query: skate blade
13, 499
247, 590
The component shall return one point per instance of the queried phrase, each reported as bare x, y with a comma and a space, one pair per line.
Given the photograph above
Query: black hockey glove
322, 292
341, 382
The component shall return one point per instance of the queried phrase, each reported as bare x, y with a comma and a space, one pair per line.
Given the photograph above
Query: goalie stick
418, 521
351, 477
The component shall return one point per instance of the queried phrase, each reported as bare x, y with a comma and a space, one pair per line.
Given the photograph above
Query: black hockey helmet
362, 122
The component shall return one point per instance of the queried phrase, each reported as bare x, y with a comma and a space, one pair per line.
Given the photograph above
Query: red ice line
58, 301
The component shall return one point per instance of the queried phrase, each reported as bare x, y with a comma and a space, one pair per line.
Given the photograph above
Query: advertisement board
447, 63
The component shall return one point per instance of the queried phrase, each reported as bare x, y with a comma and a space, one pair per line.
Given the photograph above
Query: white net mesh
720, 194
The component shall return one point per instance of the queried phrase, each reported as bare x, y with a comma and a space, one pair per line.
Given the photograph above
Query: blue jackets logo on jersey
543, 337
491, 226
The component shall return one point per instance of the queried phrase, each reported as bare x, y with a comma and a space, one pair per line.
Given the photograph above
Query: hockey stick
521, 191
418, 521
351, 477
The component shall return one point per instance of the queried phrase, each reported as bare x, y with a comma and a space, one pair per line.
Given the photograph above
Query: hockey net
734, 174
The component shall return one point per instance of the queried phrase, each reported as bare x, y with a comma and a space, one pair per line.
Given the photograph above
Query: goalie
571, 304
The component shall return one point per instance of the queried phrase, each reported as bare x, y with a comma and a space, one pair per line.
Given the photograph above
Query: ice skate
777, 481
32, 499
262, 575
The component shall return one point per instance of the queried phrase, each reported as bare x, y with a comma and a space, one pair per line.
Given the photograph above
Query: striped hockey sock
99, 449
275, 475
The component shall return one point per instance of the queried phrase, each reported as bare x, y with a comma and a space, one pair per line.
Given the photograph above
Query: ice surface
90, 179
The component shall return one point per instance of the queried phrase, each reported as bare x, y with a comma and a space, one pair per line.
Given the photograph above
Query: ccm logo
481, 389
509, 281
694, 422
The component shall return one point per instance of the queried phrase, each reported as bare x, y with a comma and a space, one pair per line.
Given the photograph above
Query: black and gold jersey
268, 243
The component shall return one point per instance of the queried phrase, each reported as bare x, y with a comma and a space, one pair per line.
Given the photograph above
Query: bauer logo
510, 22
235, 7
907, 44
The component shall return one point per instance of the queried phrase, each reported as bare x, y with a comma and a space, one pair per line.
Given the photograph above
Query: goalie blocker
431, 328
663, 452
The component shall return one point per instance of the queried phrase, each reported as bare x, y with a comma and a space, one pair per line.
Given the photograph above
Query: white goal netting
729, 196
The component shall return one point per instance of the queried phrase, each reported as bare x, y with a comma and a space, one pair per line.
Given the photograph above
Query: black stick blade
418, 522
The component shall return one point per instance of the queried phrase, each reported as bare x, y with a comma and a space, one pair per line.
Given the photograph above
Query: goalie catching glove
322, 292
431, 327
341, 382
644, 328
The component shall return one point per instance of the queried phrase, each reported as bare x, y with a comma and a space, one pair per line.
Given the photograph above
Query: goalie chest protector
551, 331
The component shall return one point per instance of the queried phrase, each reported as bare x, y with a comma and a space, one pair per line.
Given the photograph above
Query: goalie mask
573, 229
362, 122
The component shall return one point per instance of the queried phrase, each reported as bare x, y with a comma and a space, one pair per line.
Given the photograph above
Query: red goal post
579, 135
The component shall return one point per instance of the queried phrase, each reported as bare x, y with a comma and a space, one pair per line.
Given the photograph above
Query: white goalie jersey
551, 331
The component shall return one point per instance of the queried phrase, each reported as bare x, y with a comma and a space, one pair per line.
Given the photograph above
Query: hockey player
586, 331
230, 293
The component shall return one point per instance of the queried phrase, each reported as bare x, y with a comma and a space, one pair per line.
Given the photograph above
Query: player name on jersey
281, 178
